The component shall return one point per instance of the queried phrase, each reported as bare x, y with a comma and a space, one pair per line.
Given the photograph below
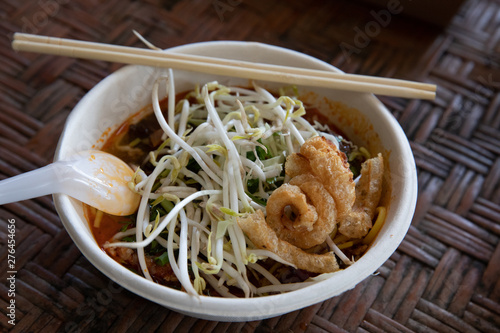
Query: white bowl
362, 117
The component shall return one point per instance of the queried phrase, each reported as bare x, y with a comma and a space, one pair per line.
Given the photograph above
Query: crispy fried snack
297, 164
262, 236
330, 166
314, 221
288, 195
321, 193
358, 222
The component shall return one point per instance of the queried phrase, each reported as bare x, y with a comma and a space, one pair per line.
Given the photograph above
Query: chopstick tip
15, 44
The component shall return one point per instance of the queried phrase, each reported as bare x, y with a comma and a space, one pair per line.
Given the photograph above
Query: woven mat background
445, 276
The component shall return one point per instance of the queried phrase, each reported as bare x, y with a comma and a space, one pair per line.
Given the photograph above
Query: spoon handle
31, 184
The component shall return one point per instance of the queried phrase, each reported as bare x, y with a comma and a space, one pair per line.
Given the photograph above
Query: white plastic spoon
94, 177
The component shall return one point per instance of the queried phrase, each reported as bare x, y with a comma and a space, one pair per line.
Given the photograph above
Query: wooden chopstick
294, 70
216, 66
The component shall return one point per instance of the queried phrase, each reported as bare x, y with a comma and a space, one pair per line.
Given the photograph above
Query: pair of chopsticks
216, 66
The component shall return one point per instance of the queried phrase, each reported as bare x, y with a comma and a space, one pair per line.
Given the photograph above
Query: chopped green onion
167, 205
128, 239
163, 259
125, 226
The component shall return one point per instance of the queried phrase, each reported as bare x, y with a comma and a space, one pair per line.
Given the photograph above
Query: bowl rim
241, 309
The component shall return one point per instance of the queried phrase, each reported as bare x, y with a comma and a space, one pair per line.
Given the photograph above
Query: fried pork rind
321, 192
358, 222
288, 195
262, 236
305, 231
297, 164
330, 166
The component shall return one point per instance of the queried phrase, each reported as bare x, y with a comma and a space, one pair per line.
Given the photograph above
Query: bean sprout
238, 139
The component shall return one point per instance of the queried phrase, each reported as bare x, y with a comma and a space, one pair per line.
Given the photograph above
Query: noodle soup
226, 210
362, 118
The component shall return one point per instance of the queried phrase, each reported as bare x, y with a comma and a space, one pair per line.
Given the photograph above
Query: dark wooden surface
445, 276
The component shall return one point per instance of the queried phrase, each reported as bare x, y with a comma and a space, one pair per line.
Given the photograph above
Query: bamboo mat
445, 276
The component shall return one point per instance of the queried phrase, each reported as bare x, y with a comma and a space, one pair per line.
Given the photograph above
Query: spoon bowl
94, 177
